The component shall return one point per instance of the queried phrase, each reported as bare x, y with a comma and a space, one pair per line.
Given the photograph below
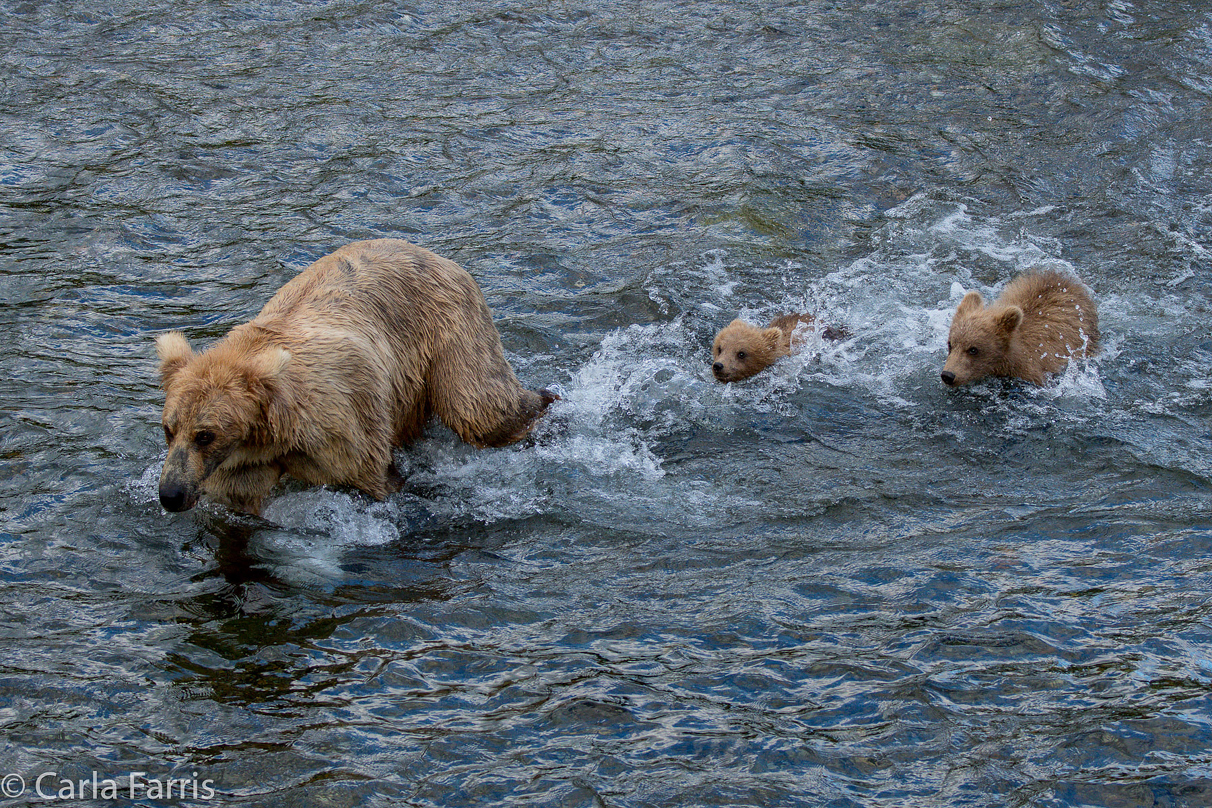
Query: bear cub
1041, 320
348, 360
741, 350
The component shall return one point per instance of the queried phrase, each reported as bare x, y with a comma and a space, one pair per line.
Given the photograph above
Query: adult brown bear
347, 361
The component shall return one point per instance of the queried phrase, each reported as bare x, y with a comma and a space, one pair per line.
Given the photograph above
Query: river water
836, 584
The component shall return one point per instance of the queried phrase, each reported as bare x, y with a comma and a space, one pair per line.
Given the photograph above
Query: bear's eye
974, 351
948, 346
741, 354
204, 438
168, 435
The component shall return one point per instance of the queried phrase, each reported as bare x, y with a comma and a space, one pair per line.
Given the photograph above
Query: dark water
838, 584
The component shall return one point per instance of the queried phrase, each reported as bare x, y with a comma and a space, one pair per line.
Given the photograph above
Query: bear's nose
948, 377
718, 367
173, 498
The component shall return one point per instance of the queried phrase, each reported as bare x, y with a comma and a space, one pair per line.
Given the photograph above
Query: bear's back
1060, 301
370, 272
382, 287
1060, 320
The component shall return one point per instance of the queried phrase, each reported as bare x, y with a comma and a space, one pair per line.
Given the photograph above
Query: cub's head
741, 350
979, 342
218, 406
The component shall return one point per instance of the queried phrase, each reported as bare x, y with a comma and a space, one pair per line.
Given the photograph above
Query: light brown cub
740, 350
348, 360
1041, 320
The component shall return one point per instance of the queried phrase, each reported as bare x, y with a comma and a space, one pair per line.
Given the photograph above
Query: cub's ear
971, 302
1009, 319
773, 336
735, 325
174, 352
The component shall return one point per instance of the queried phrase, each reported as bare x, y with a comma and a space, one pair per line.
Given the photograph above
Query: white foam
340, 517
636, 382
146, 489
910, 208
1079, 380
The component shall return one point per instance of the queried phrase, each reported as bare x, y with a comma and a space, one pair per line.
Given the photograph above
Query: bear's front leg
243, 488
381, 484
395, 480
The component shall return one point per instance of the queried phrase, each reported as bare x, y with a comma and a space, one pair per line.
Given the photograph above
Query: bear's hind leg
477, 395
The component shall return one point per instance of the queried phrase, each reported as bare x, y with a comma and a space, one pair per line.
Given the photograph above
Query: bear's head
218, 406
741, 350
979, 342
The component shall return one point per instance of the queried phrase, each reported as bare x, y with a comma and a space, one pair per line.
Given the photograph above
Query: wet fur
348, 360
742, 350
1041, 320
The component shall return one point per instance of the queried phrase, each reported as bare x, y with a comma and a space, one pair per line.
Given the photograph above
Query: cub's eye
948, 346
716, 350
974, 351
204, 438
741, 354
168, 435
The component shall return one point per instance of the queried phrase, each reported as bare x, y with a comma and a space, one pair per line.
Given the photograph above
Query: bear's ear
971, 302
1009, 319
263, 374
267, 366
773, 337
174, 352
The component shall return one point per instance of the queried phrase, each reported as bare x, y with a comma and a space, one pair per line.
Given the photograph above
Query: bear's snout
948, 378
726, 375
175, 497
178, 490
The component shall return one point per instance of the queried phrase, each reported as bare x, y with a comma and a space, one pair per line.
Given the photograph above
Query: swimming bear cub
741, 350
1041, 320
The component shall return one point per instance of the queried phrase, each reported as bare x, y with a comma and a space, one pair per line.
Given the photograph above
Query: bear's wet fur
741, 350
347, 361
1040, 321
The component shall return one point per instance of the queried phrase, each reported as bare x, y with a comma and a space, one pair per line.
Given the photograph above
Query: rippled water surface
836, 584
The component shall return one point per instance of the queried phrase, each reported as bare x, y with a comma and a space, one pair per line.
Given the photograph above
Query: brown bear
1039, 321
348, 360
740, 350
